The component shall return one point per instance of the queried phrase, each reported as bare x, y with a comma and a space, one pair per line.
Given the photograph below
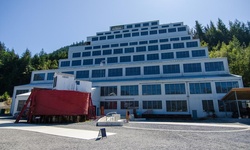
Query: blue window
163, 40
124, 31
145, 24
153, 32
154, 23
162, 31
167, 55
112, 60
175, 88
118, 51
82, 74
133, 43
194, 67
137, 25
129, 90
152, 104
133, 71
96, 53
181, 29
153, 48
214, 66
84, 54
50, 76
184, 54
114, 45
198, 53
129, 50
153, 41
111, 37
88, 62
118, 36
165, 26
138, 58
94, 38
144, 33
116, 32
178, 24
75, 55
39, 77
192, 44
99, 60
174, 39
99, 34
107, 52
129, 26
167, 69
96, 47
200, 88
135, 34
98, 73
117, 72
185, 38
69, 72
65, 63
144, 28
154, 89
76, 63
134, 29
178, 45
141, 49
154, 27
152, 57
225, 87
171, 30
105, 46
143, 42
103, 38
127, 35
165, 46
109, 91
106, 33
88, 48
149, 70
125, 59
124, 44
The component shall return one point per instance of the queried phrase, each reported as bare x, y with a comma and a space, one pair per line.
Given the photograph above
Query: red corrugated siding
60, 102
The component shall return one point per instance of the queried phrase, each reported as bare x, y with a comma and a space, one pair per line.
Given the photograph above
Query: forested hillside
231, 41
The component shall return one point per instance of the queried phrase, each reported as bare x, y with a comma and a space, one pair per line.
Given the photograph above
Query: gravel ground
136, 136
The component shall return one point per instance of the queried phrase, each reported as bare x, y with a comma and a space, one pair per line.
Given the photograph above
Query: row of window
141, 49
133, 27
135, 58
136, 71
136, 33
137, 43
170, 89
171, 105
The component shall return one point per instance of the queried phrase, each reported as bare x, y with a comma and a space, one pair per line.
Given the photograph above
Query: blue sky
51, 24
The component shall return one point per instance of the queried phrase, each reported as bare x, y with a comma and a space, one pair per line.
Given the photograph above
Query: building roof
237, 94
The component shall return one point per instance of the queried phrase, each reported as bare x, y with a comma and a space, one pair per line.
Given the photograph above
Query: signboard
117, 27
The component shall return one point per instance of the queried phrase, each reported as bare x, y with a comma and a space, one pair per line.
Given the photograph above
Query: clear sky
51, 24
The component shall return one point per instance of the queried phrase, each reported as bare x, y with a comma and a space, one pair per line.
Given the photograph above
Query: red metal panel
61, 102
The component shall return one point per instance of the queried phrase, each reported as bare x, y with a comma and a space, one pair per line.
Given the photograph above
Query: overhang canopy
237, 94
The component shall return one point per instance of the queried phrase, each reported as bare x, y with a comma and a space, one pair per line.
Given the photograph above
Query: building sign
117, 27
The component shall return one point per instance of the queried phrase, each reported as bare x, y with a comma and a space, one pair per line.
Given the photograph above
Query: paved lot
216, 134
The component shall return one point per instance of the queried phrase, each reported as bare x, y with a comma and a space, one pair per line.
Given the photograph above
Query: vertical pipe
236, 98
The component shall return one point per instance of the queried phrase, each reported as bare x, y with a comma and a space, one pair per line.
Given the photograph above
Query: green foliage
16, 70
4, 97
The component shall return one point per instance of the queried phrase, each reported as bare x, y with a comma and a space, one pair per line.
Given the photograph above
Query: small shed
238, 95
